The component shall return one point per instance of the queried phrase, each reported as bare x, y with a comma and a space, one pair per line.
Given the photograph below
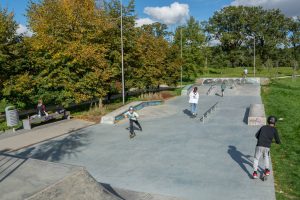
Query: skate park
174, 157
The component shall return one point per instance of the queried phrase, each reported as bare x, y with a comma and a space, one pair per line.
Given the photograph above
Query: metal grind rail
211, 88
209, 111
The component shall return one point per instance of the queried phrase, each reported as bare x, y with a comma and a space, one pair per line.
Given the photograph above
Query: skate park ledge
118, 114
257, 115
186, 89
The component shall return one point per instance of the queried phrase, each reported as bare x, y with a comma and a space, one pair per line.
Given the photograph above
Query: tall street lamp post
122, 56
181, 56
254, 55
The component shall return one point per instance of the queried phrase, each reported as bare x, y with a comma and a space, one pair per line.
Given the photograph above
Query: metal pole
122, 53
254, 56
181, 56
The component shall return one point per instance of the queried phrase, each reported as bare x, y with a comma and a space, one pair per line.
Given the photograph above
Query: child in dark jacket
264, 138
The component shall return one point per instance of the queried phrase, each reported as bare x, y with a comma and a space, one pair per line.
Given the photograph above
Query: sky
171, 12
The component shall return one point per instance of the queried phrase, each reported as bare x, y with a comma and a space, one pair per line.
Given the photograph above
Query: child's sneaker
255, 176
132, 135
267, 172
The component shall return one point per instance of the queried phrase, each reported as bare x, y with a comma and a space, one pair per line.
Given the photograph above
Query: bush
94, 114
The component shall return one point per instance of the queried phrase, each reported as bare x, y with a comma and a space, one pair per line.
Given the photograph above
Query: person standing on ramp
264, 138
223, 87
194, 98
133, 118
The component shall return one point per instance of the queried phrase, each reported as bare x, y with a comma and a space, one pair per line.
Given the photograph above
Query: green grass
238, 71
282, 99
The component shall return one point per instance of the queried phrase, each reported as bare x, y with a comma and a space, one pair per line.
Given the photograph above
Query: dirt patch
90, 118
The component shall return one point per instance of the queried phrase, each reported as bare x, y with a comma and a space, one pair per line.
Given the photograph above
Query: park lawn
238, 71
282, 99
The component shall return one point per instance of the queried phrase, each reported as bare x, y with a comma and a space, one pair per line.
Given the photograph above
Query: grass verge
282, 99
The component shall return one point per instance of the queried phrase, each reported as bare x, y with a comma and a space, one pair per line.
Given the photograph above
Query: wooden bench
37, 120
257, 116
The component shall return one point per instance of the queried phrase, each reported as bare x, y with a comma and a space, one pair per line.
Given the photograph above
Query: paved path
39, 134
174, 155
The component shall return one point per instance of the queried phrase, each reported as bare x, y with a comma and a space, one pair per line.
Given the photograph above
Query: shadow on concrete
56, 149
187, 112
245, 120
111, 190
134, 128
240, 159
11, 163
4, 151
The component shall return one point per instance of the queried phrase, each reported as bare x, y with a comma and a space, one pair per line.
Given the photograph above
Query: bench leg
26, 124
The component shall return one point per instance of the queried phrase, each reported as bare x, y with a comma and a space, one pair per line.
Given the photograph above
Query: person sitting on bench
41, 109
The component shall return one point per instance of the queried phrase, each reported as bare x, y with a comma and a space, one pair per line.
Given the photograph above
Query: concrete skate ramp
34, 180
218, 81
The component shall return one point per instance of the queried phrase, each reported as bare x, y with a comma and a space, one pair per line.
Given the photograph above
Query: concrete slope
32, 179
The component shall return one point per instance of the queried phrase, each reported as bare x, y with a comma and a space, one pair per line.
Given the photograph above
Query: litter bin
12, 116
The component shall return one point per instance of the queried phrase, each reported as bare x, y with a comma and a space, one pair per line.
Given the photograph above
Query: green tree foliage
158, 61
113, 40
237, 27
12, 50
193, 47
294, 37
74, 54
67, 52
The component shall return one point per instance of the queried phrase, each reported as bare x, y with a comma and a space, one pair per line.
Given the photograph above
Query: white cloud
173, 14
23, 30
143, 21
288, 7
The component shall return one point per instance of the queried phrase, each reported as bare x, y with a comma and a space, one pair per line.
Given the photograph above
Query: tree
152, 56
13, 51
294, 37
157, 29
237, 27
67, 52
112, 9
193, 40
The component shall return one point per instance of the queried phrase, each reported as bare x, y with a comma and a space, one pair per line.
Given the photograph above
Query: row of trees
74, 54
234, 29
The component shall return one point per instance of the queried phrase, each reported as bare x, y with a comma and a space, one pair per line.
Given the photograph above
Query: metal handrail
209, 111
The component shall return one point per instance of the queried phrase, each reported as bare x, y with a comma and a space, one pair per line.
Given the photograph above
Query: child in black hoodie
264, 137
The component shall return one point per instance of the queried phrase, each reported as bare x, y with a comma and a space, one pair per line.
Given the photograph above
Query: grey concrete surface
26, 138
21, 178
33, 179
175, 155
